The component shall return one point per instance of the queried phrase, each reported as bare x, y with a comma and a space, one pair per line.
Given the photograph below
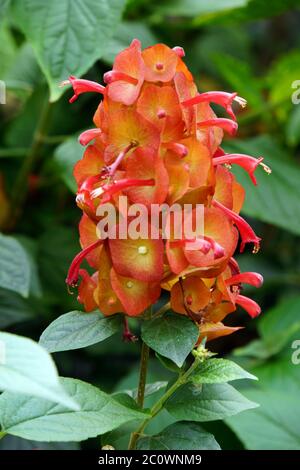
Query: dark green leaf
167, 363
172, 336
276, 198
293, 127
192, 8
240, 77
207, 402
180, 436
65, 157
76, 330
13, 309
125, 33
37, 419
67, 36
14, 266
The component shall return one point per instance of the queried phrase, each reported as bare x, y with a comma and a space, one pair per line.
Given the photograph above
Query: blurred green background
248, 46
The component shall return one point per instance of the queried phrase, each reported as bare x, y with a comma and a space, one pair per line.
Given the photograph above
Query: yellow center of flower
142, 250
129, 284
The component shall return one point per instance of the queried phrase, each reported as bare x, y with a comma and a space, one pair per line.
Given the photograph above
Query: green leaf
16, 443
13, 309
65, 156
292, 130
192, 8
38, 419
8, 48
227, 11
76, 330
240, 77
283, 73
24, 73
172, 336
275, 425
167, 363
25, 367
275, 199
207, 402
180, 436
125, 33
280, 323
255, 349
219, 371
67, 36
3, 7
149, 389
14, 266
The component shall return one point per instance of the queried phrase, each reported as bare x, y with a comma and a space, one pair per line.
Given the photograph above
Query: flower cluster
157, 140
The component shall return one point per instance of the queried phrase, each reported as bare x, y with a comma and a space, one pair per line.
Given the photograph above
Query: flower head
157, 141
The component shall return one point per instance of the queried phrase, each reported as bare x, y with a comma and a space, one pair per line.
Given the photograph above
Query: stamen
113, 168
159, 66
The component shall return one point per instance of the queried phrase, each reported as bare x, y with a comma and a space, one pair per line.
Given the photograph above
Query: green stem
182, 379
143, 375
2, 434
20, 188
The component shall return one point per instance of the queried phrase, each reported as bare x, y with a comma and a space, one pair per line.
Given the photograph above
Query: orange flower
157, 142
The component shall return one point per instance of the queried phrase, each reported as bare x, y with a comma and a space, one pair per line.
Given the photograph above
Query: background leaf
66, 155
274, 425
275, 199
14, 266
67, 36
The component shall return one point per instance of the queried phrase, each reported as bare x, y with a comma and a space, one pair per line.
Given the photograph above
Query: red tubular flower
246, 232
157, 141
227, 125
249, 305
219, 97
73, 273
82, 86
245, 161
254, 279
